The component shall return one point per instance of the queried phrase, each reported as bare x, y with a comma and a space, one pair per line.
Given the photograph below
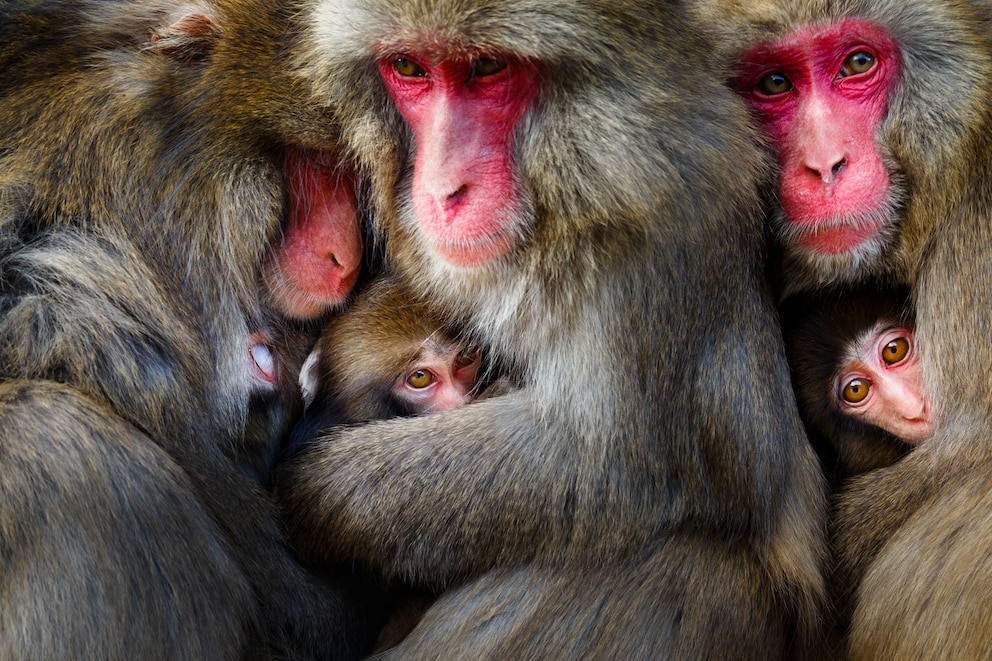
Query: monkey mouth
835, 236
917, 430
476, 253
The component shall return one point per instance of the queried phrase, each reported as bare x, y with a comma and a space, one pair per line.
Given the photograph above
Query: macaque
555, 178
884, 175
856, 371
168, 189
879, 383
274, 356
388, 355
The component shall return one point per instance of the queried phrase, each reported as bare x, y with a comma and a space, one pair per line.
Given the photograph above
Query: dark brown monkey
886, 174
275, 355
553, 175
151, 156
855, 367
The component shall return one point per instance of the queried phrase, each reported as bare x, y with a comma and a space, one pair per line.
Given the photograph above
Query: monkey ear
187, 40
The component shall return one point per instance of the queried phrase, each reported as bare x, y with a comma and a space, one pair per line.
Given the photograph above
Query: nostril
824, 173
448, 203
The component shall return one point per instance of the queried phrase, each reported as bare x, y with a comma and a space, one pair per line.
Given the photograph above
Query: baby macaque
855, 367
390, 355
273, 357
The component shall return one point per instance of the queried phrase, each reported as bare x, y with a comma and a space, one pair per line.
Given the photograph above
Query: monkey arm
430, 496
529, 475
876, 505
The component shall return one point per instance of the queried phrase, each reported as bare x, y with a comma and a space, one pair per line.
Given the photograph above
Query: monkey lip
476, 253
836, 237
916, 430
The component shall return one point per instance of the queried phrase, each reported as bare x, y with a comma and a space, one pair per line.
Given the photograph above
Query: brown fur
639, 496
363, 350
912, 538
140, 186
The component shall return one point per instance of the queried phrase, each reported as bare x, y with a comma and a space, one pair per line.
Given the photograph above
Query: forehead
822, 39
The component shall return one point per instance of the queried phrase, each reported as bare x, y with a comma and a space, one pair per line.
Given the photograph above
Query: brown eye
856, 390
486, 66
857, 62
467, 356
774, 84
420, 379
895, 351
408, 68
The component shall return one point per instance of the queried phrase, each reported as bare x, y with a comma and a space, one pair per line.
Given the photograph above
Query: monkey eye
857, 62
774, 84
895, 351
408, 68
467, 356
419, 379
487, 66
856, 390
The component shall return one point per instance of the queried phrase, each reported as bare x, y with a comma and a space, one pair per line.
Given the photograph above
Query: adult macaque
151, 155
885, 173
855, 367
553, 176
388, 355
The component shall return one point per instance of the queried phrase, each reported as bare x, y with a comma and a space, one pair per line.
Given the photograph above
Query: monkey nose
827, 171
344, 270
447, 203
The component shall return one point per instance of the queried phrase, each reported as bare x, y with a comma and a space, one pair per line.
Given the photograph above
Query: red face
881, 384
463, 113
439, 381
821, 94
318, 261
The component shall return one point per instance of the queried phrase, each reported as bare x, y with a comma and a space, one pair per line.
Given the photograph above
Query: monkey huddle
434, 328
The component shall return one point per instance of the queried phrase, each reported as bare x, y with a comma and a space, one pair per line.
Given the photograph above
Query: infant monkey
390, 355
856, 371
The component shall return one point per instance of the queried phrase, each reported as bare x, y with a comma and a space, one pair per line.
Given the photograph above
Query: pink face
463, 113
318, 261
439, 381
821, 94
881, 385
